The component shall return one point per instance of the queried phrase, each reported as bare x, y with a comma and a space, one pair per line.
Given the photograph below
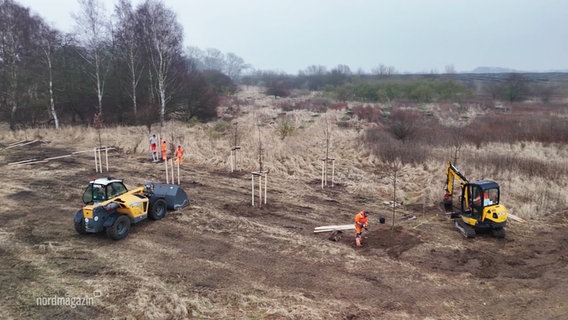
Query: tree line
129, 67
385, 84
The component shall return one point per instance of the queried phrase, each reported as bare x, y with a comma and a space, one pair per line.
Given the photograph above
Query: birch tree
94, 34
49, 45
17, 31
163, 37
129, 49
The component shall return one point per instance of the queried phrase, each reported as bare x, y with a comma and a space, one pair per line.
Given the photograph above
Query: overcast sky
411, 35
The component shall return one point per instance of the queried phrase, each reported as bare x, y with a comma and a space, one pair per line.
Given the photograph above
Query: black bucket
382, 220
175, 196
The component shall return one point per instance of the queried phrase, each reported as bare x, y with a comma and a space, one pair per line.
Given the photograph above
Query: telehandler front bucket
175, 196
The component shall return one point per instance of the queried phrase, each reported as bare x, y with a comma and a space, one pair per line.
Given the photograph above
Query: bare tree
163, 38
395, 167
234, 66
383, 70
213, 59
315, 76
314, 70
94, 33
17, 52
342, 69
49, 44
450, 69
129, 50
196, 55
260, 149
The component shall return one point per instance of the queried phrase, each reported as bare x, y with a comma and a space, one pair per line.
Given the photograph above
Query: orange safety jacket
478, 198
164, 149
179, 154
360, 222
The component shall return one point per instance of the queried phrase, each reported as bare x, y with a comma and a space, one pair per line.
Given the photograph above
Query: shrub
285, 129
389, 149
370, 113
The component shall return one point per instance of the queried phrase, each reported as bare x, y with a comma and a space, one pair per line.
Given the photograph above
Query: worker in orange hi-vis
164, 150
361, 222
179, 154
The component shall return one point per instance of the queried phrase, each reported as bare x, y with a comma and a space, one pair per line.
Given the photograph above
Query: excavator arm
452, 173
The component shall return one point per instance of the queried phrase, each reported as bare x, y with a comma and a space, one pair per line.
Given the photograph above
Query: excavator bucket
176, 198
455, 215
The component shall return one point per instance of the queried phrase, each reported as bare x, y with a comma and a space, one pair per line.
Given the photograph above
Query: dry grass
298, 156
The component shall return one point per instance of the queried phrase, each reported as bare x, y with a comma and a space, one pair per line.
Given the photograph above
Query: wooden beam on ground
58, 157
34, 162
91, 150
20, 144
334, 228
21, 162
516, 218
82, 151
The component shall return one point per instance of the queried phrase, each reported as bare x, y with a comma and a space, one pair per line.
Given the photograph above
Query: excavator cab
480, 209
479, 195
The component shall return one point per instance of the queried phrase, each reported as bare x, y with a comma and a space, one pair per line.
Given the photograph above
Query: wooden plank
334, 229
34, 162
20, 144
22, 162
82, 151
516, 218
58, 157
335, 226
328, 230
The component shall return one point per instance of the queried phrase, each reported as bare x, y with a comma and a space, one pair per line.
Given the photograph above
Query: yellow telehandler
109, 206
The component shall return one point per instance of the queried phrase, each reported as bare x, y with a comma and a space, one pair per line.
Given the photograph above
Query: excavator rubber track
498, 233
466, 230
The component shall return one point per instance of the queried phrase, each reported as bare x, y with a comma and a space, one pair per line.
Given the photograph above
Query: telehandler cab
480, 209
110, 206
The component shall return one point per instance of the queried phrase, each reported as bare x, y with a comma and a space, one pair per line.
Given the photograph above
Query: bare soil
221, 258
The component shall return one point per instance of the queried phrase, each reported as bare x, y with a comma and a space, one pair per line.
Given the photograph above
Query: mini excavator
480, 210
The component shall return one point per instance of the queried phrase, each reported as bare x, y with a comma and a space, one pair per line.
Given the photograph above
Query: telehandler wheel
119, 229
157, 209
80, 227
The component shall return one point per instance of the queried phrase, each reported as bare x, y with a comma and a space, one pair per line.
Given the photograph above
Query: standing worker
153, 147
164, 150
361, 222
179, 154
